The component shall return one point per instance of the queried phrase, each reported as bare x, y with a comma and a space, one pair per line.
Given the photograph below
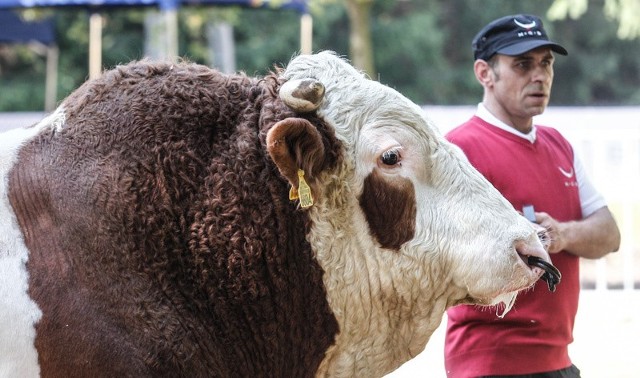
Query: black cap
512, 35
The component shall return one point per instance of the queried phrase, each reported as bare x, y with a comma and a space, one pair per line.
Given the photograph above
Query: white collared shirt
486, 116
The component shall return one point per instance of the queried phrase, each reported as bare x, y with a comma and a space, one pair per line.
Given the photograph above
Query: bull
171, 220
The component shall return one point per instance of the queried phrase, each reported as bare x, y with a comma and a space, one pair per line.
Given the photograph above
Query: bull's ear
296, 147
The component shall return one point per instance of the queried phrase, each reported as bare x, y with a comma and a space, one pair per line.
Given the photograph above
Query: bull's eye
391, 157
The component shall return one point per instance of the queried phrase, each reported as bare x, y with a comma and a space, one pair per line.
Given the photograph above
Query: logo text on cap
530, 33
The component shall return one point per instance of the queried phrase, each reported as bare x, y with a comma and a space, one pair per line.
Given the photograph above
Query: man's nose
542, 73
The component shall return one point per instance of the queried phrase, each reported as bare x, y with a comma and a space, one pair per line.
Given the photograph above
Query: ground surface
12, 120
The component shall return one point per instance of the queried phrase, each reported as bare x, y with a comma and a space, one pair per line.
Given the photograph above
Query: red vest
534, 335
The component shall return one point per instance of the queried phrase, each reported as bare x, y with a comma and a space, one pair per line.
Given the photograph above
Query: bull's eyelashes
391, 157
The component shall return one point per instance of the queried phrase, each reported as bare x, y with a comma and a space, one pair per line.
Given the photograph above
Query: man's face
521, 85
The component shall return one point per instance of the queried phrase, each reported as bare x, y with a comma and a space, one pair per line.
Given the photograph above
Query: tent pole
306, 33
171, 33
51, 83
95, 45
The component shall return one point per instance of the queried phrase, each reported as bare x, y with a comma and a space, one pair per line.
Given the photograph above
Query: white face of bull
406, 227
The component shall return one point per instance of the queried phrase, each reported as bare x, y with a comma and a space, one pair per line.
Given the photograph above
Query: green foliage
410, 35
421, 47
600, 69
265, 38
625, 12
122, 41
21, 71
193, 30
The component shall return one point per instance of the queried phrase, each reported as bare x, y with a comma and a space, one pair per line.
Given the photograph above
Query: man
535, 168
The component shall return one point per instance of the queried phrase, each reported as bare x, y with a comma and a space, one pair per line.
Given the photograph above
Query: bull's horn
303, 95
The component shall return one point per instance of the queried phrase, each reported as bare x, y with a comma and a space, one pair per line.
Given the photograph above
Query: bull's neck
383, 322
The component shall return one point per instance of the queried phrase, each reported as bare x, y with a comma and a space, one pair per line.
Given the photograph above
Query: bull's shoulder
158, 93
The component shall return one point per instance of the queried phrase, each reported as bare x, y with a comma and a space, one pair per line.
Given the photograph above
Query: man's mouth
538, 94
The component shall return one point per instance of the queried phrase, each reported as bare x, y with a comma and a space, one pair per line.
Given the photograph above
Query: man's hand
591, 237
556, 241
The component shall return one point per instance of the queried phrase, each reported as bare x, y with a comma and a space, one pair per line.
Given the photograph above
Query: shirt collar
484, 114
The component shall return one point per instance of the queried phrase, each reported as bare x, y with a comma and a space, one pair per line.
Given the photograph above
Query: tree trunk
361, 50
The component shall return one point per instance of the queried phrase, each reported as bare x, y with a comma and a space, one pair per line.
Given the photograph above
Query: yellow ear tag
293, 194
304, 191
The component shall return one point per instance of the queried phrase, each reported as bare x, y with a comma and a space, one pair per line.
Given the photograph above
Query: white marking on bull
18, 312
55, 119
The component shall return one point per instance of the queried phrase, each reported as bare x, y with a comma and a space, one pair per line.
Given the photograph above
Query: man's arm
591, 237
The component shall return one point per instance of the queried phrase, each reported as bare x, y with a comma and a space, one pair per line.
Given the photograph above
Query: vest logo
568, 174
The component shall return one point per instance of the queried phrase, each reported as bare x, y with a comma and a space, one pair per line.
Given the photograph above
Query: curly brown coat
161, 238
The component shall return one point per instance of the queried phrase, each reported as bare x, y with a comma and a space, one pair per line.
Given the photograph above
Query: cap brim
524, 46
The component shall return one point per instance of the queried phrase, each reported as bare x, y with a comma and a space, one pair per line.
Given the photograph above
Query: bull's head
417, 228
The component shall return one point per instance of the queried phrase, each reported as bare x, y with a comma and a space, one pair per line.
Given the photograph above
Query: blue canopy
299, 5
14, 30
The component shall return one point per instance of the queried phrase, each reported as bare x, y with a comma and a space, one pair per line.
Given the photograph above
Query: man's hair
493, 64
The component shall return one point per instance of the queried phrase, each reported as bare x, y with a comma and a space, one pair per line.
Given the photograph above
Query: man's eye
390, 157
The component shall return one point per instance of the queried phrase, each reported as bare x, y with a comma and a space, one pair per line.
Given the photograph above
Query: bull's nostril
522, 256
530, 247
521, 248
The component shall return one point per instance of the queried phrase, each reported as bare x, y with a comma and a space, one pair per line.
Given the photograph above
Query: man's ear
482, 71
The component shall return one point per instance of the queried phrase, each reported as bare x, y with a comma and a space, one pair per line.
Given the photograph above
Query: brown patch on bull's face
390, 209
